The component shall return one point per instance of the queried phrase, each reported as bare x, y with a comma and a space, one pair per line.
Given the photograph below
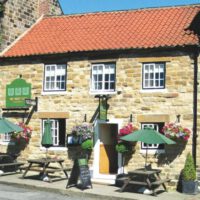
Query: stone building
17, 16
144, 63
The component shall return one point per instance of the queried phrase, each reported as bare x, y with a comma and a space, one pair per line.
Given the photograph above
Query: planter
189, 187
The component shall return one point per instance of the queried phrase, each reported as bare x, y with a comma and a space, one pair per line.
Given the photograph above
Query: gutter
195, 95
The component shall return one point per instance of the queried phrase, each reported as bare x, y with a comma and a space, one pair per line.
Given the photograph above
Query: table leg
150, 186
63, 169
27, 170
126, 182
45, 166
163, 184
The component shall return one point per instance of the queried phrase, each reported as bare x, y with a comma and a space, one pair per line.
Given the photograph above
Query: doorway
108, 156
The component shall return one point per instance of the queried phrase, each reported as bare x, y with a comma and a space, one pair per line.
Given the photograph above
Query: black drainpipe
195, 89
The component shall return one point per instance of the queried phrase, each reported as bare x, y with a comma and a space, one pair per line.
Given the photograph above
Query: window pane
99, 86
100, 77
161, 82
106, 77
146, 84
106, 85
95, 77
112, 77
112, 85
157, 82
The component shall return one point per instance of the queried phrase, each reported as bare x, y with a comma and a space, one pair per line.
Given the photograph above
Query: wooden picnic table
43, 166
144, 177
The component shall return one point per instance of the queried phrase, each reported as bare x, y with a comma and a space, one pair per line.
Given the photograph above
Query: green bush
87, 145
122, 147
189, 170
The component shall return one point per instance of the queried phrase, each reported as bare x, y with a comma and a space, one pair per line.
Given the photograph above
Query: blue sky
85, 6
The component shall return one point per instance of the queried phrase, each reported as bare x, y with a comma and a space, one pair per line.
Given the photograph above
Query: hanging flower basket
84, 132
25, 135
122, 146
176, 131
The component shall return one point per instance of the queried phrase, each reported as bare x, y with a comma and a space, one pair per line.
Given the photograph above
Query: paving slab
98, 191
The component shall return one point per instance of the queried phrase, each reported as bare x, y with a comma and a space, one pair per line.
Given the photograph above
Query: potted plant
189, 182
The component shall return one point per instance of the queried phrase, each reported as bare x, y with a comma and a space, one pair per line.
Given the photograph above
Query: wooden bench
159, 182
47, 170
6, 166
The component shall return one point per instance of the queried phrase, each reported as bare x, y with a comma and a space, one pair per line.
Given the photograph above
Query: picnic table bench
149, 178
9, 164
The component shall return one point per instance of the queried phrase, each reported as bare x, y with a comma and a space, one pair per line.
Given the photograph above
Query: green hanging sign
103, 109
17, 92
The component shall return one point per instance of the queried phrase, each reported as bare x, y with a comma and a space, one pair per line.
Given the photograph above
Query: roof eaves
101, 50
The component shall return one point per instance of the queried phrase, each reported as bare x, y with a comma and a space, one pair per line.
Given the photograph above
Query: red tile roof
145, 28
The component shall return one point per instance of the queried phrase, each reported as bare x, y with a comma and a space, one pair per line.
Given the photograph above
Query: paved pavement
98, 191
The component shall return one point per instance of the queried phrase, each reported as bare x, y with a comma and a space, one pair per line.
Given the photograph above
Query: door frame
96, 149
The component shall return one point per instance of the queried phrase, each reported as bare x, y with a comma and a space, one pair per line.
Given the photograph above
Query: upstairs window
103, 78
55, 78
153, 76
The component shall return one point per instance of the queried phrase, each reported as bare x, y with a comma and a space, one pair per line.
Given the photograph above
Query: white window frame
54, 130
5, 137
54, 71
103, 90
151, 69
152, 148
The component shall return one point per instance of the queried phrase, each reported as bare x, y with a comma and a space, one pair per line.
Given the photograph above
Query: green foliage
189, 171
122, 147
1, 7
87, 144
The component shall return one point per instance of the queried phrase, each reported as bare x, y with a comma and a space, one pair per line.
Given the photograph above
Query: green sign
82, 162
17, 92
103, 109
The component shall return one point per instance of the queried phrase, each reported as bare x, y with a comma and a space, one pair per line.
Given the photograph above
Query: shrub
122, 147
189, 171
87, 145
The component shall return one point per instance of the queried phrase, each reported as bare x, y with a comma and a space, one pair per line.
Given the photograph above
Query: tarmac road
16, 193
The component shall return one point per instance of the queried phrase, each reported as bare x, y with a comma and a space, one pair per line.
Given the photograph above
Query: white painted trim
95, 167
152, 151
54, 148
153, 90
7, 143
102, 93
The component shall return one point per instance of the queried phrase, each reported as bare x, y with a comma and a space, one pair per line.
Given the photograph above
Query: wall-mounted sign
17, 92
103, 109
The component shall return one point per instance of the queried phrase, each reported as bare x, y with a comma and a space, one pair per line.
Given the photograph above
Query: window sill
153, 90
54, 148
102, 93
7, 143
54, 93
152, 151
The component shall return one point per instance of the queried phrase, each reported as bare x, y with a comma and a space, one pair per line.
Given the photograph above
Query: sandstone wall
19, 15
176, 99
